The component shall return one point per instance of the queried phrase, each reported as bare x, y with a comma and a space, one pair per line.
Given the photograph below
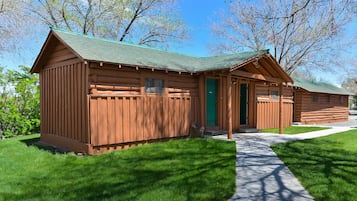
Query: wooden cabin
318, 102
99, 95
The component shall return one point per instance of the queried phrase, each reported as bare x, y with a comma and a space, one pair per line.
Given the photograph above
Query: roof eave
286, 77
36, 67
323, 92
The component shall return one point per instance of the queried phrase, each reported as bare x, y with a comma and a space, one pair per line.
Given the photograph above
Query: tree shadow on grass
176, 172
328, 173
262, 176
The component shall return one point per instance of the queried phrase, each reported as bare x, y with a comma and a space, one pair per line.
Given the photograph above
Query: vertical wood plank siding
123, 119
63, 101
263, 111
268, 108
268, 114
121, 111
329, 108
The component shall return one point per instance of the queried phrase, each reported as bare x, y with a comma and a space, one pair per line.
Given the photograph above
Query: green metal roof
103, 50
319, 87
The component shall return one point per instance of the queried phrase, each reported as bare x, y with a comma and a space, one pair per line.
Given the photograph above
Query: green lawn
295, 129
187, 169
326, 166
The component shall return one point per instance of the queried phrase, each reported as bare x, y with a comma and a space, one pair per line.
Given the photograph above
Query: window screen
315, 98
275, 95
154, 85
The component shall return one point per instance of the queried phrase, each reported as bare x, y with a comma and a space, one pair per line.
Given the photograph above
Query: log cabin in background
99, 95
319, 102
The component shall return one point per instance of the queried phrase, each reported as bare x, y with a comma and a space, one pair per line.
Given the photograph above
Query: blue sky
198, 15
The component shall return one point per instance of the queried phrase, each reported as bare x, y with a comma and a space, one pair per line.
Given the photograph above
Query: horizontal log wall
298, 94
121, 112
328, 108
64, 100
264, 92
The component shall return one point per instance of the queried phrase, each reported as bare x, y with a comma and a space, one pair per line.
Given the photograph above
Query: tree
11, 24
149, 22
300, 33
350, 84
19, 102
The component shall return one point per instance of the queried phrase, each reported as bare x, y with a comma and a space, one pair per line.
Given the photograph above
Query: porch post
229, 105
202, 92
281, 112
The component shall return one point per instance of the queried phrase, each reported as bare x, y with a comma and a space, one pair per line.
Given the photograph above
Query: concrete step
215, 132
248, 130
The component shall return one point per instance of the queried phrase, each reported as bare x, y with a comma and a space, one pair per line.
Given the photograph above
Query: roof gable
102, 50
319, 87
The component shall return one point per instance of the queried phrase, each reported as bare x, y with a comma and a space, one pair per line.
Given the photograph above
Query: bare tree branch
137, 12
123, 20
297, 32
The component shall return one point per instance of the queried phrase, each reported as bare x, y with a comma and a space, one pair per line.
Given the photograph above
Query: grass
295, 129
326, 166
187, 169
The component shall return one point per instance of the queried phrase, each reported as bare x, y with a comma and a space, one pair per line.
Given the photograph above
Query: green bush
19, 102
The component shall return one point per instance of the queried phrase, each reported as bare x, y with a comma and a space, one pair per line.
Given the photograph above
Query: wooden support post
202, 91
229, 105
281, 112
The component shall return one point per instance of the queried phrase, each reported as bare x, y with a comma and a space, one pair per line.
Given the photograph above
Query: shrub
19, 102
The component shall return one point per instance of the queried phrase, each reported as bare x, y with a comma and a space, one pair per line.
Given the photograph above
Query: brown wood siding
268, 108
263, 112
123, 119
297, 105
222, 118
268, 114
329, 108
121, 111
59, 53
63, 101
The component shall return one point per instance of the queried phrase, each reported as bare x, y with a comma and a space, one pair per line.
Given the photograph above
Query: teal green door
243, 104
211, 102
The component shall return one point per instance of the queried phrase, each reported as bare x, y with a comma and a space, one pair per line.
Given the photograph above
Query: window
274, 95
315, 98
342, 99
328, 98
154, 85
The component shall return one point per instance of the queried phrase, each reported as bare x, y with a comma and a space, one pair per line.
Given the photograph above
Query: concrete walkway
261, 175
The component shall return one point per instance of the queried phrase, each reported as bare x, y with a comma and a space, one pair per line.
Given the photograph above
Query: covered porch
253, 94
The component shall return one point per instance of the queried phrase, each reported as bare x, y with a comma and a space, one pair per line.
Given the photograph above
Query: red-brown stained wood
111, 120
61, 106
281, 109
229, 106
329, 108
133, 118
93, 108
140, 120
268, 108
126, 119
94, 121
